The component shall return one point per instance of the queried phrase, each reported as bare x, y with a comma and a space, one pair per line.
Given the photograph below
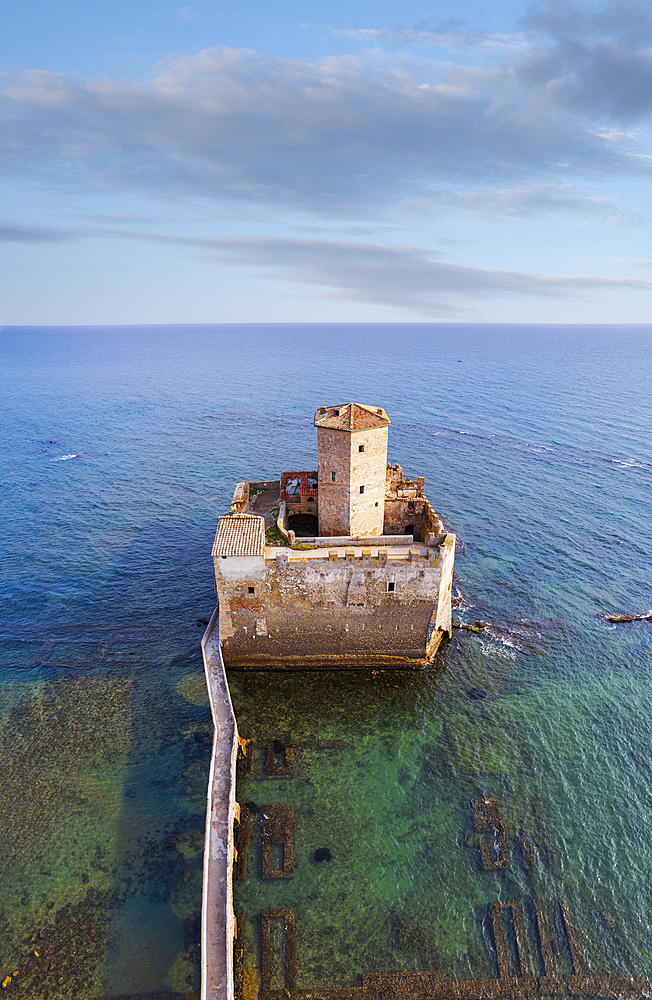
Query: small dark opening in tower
332, 477
409, 529
391, 586
336, 413
362, 489
360, 447
251, 590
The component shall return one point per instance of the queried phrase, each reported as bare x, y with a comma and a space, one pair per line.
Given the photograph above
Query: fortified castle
347, 566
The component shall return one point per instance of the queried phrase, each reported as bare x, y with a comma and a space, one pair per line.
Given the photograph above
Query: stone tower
352, 468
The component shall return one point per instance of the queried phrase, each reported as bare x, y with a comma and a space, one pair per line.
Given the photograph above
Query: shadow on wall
304, 525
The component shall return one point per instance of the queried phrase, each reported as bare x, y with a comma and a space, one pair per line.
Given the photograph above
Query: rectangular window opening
336, 413
332, 477
360, 447
362, 489
251, 590
391, 586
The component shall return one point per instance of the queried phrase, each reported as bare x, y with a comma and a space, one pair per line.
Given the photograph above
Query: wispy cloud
187, 14
401, 277
454, 40
638, 263
10, 233
127, 218
528, 200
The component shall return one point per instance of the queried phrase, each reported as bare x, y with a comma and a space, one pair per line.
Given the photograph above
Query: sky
325, 162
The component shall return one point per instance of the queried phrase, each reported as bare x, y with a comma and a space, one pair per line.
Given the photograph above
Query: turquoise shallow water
121, 448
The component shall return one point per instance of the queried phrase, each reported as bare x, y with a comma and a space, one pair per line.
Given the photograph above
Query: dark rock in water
476, 694
629, 618
323, 854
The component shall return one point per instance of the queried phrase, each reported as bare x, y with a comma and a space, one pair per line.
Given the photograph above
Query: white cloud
614, 135
339, 136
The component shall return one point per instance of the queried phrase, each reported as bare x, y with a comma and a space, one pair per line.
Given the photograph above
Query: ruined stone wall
431, 527
400, 514
339, 611
413, 513
303, 505
352, 503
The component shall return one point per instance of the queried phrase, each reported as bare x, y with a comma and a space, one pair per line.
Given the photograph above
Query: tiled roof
351, 417
240, 535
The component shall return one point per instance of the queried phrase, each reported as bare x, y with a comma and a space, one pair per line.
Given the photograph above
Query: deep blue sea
121, 447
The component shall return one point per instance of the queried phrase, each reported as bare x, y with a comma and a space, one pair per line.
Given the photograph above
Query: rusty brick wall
343, 509
334, 455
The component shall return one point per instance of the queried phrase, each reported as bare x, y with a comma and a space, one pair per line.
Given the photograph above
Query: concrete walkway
217, 917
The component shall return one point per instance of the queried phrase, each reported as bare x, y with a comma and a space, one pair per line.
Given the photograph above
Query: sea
516, 770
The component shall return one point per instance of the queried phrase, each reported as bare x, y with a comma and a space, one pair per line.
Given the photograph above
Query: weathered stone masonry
345, 607
352, 457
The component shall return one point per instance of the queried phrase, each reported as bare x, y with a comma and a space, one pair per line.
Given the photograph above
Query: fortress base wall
343, 608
